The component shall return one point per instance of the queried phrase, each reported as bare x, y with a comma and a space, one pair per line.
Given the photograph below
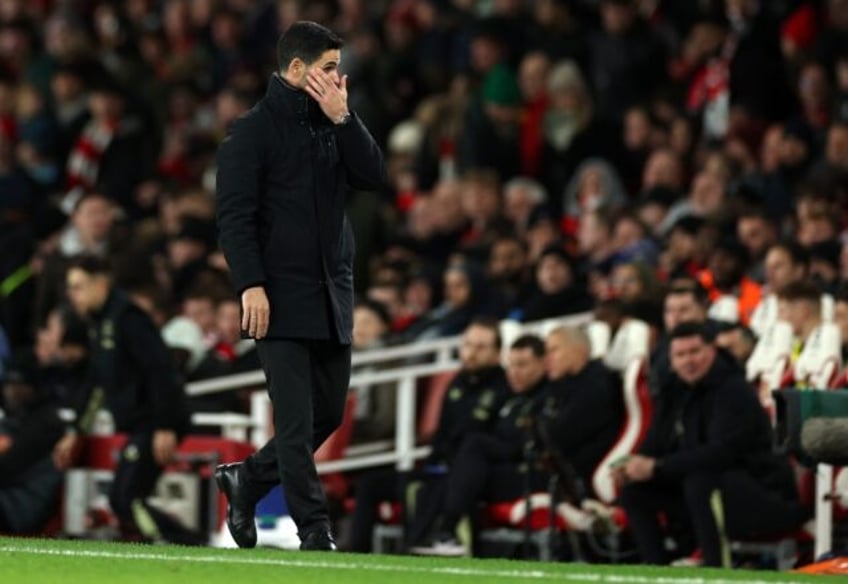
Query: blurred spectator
635, 282
680, 257
785, 263
706, 199
199, 306
483, 208
111, 153
464, 296
29, 484
91, 231
824, 265
229, 353
521, 196
558, 290
663, 169
632, 241
569, 128
737, 340
758, 234
725, 276
16, 192
624, 54
491, 132
595, 241
800, 306
542, 232
61, 351
533, 81
38, 139
507, 270
374, 414
637, 140
595, 185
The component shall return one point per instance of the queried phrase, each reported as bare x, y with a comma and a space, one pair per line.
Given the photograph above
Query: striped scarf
84, 160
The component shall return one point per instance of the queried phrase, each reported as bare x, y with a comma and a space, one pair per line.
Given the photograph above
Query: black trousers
718, 506
388, 485
308, 383
484, 469
135, 479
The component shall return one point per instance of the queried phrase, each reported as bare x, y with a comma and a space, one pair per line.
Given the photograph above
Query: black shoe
318, 540
240, 505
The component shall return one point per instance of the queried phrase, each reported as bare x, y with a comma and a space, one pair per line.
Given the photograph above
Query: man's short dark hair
689, 286
378, 308
803, 290
306, 41
490, 323
88, 196
532, 342
691, 328
757, 212
797, 253
90, 264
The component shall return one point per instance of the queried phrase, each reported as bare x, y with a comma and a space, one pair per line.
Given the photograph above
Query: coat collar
287, 100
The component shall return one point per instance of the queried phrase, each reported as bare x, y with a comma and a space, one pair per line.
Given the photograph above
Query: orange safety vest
747, 291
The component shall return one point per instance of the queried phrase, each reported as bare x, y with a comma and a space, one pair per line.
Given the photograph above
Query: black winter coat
716, 425
470, 405
584, 414
131, 372
284, 171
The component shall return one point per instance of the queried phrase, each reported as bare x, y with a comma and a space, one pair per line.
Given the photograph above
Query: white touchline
497, 573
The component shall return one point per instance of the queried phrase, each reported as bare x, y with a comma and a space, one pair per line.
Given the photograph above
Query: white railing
428, 358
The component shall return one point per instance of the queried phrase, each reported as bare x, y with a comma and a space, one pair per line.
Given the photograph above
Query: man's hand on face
256, 312
331, 96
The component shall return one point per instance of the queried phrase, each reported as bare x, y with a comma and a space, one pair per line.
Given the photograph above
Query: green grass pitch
34, 561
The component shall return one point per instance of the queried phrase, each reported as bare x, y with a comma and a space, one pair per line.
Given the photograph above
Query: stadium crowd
546, 157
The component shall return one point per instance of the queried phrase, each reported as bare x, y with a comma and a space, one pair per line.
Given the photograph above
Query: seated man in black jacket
468, 406
584, 409
708, 456
485, 467
29, 484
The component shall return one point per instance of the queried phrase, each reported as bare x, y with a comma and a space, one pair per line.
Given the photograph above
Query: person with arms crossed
283, 173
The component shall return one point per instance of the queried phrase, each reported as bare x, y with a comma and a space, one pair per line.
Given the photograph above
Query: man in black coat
133, 376
284, 171
29, 483
486, 465
709, 457
469, 406
584, 408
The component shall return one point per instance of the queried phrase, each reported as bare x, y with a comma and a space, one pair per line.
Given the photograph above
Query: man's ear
296, 66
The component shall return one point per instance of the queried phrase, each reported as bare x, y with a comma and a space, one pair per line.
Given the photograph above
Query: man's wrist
343, 119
